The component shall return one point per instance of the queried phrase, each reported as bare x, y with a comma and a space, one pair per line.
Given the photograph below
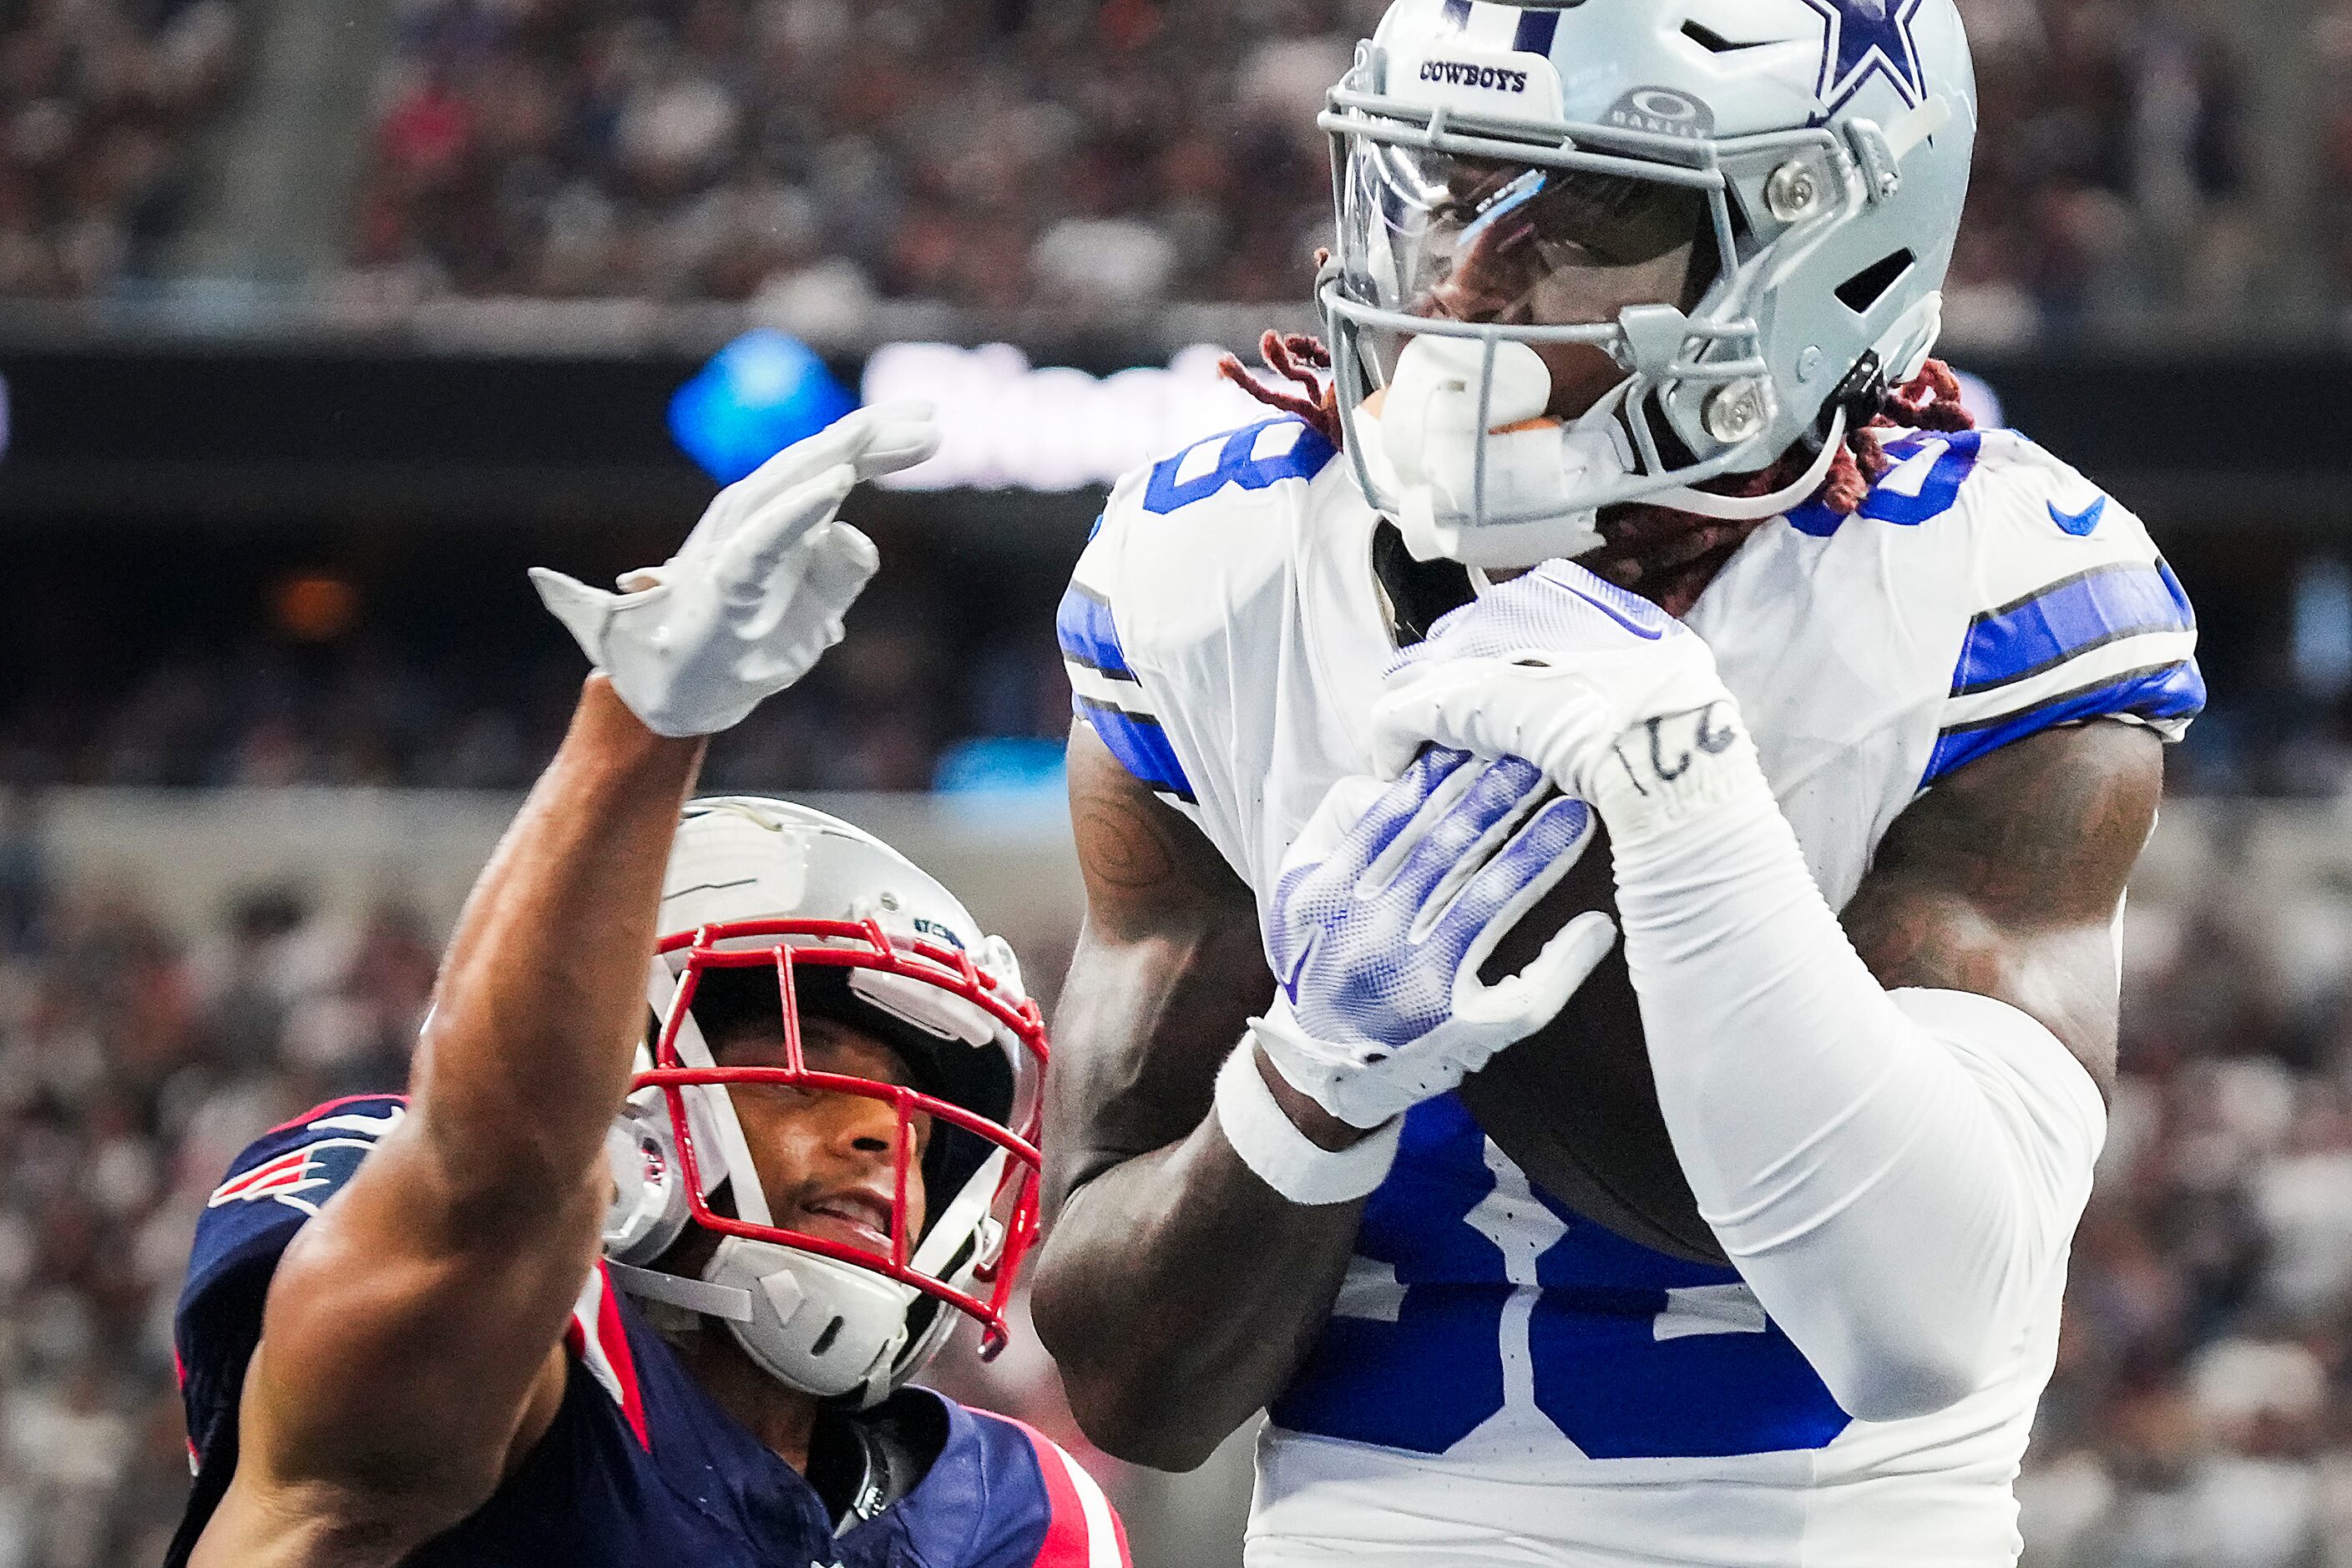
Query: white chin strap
1423, 443
1756, 508
695, 1295
826, 1328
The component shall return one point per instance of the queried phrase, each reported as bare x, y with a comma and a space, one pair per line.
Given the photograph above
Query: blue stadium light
757, 396
1000, 766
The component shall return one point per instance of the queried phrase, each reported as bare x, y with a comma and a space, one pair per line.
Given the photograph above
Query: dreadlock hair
1297, 357
1666, 556
1929, 401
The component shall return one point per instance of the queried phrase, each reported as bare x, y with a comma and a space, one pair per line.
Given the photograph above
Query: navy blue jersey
640, 1465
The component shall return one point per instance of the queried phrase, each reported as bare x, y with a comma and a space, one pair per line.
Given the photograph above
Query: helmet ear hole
1707, 38
1867, 288
649, 1209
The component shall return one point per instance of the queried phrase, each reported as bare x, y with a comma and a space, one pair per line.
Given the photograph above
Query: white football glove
756, 593
1386, 907
1617, 702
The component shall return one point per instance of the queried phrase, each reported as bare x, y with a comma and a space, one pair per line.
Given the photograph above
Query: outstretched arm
410, 1348
1149, 1289
410, 1344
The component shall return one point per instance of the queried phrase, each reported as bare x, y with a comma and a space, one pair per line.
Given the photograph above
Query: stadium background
318, 323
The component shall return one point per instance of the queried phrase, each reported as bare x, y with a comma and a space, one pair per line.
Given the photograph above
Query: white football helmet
836, 923
1784, 177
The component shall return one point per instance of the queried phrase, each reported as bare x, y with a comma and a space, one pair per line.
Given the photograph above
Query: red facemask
794, 946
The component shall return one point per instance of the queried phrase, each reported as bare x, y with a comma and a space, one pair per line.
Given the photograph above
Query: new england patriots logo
300, 1178
1867, 38
303, 1178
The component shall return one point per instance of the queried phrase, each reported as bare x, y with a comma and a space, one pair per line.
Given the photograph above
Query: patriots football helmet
1601, 251
823, 920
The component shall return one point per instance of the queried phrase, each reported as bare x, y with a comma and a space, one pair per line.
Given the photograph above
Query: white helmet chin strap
1757, 508
825, 1328
675, 1289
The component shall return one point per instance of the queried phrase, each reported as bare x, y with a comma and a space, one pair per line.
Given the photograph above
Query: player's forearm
1176, 1289
540, 1001
1896, 1176
1179, 1294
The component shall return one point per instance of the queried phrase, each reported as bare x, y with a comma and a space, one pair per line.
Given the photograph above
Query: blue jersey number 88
1631, 1354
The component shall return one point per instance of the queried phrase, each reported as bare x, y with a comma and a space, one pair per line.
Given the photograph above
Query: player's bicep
1168, 971
2005, 880
408, 1344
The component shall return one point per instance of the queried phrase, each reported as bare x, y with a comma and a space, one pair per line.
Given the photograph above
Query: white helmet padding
831, 922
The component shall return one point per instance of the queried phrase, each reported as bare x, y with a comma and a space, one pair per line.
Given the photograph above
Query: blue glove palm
1386, 908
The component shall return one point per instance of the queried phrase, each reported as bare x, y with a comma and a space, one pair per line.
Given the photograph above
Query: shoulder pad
283, 1177
271, 1191
2074, 615
1173, 569
1251, 460
2062, 608
1047, 1509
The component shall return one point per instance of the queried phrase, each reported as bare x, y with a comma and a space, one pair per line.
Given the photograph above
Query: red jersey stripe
1085, 1531
597, 1337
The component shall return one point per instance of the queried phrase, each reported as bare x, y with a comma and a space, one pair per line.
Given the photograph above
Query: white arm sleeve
1896, 1176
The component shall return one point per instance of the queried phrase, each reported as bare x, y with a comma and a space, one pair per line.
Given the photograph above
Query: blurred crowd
134, 1064
2333, 52
473, 689
993, 154
2201, 1415
1001, 154
1096, 157
103, 104
870, 718
2112, 170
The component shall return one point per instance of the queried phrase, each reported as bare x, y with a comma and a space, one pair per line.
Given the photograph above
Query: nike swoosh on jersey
2081, 524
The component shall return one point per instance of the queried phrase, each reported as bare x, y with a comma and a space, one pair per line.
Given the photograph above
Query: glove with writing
1617, 702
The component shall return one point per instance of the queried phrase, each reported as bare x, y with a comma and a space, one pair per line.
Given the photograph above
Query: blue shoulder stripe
1139, 743
2160, 692
1088, 637
2067, 618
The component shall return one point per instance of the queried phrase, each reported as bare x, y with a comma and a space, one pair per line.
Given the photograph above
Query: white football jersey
1502, 1380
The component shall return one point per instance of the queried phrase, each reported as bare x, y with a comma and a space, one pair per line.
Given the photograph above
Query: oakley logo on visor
1464, 73
1662, 112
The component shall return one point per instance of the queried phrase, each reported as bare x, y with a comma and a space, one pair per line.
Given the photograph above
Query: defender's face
827, 1161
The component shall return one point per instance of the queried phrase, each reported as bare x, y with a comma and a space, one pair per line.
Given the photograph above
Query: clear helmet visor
1441, 235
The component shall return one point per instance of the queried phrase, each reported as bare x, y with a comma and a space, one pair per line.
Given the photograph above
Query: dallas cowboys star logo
1867, 38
